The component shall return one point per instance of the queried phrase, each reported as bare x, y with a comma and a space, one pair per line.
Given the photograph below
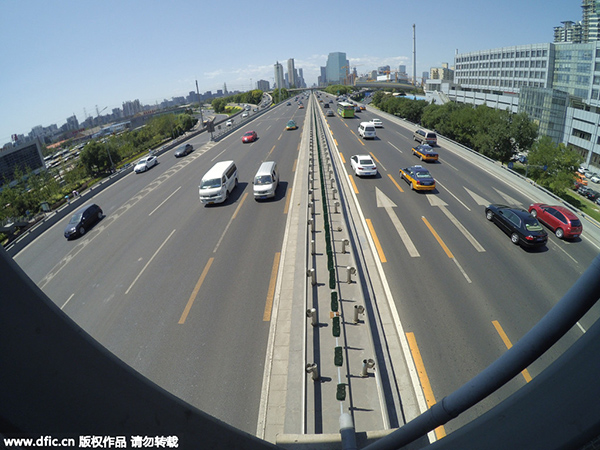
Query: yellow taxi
418, 177
425, 152
291, 125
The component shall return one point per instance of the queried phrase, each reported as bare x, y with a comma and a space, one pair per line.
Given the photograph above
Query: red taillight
529, 238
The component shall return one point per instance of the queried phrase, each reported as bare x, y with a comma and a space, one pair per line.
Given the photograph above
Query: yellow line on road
295, 165
343, 159
334, 140
508, 344
396, 183
269, 154
438, 238
440, 432
271, 291
353, 184
382, 257
375, 158
194, 294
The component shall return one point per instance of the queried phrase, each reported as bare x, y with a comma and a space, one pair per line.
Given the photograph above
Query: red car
561, 220
249, 136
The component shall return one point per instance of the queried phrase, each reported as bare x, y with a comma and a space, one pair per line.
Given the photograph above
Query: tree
560, 163
218, 105
95, 158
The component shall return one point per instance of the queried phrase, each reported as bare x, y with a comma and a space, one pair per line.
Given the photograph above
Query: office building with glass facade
557, 84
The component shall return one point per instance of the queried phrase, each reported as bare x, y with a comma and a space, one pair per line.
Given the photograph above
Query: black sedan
522, 227
184, 150
83, 220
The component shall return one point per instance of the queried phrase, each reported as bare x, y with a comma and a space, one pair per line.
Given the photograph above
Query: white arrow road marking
479, 200
434, 200
508, 199
384, 201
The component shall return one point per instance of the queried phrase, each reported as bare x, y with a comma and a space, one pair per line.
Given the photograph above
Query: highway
181, 292
178, 290
463, 291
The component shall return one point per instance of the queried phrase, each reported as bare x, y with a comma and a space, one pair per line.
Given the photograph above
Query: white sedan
145, 163
363, 165
377, 123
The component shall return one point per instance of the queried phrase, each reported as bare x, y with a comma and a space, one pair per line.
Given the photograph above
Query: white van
218, 182
266, 181
425, 137
366, 130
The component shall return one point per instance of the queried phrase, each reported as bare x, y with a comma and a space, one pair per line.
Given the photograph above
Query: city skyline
154, 52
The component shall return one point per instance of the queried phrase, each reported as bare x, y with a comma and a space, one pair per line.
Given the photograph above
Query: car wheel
412, 187
421, 158
559, 233
489, 215
99, 215
514, 238
533, 213
81, 231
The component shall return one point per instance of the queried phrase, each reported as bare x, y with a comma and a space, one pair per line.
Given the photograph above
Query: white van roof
217, 170
265, 168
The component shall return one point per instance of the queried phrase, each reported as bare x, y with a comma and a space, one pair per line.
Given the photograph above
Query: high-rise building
291, 73
263, 85
323, 76
591, 20
554, 83
301, 83
278, 70
337, 65
569, 32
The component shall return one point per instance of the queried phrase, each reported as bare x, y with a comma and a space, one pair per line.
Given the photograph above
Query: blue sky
62, 57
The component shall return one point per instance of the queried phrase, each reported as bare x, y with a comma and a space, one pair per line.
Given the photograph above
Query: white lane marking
455, 197
164, 201
149, 261
384, 201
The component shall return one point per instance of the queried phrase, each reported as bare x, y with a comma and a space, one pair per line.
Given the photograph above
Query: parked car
561, 220
145, 163
184, 150
229, 123
363, 165
83, 220
249, 136
522, 227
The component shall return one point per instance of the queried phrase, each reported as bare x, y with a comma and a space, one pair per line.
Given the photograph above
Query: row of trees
495, 133
100, 157
96, 159
253, 97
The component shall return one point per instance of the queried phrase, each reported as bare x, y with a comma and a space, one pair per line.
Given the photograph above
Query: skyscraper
278, 69
591, 20
336, 68
291, 73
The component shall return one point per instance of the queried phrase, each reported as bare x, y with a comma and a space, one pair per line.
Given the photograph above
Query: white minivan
366, 130
266, 181
218, 182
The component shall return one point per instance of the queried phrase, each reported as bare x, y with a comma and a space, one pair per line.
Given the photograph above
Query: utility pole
414, 55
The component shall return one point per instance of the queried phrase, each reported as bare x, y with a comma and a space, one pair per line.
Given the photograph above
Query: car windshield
291, 123
248, 134
366, 161
422, 175
212, 183
76, 218
263, 179
533, 225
